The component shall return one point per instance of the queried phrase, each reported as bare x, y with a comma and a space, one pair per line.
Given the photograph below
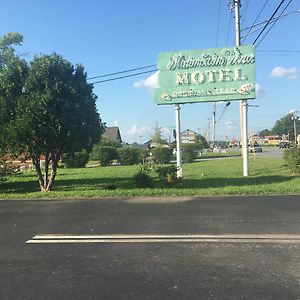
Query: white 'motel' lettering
222, 75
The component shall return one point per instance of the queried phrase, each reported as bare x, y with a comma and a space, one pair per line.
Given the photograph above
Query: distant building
188, 136
112, 133
272, 139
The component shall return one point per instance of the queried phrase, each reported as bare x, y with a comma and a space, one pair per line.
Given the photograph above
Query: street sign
217, 74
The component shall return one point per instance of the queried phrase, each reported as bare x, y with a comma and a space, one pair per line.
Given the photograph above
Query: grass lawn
204, 178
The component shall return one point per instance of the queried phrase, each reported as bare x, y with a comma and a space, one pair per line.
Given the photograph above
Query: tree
156, 138
201, 142
129, 155
161, 155
56, 114
189, 152
105, 141
265, 132
13, 73
105, 154
285, 126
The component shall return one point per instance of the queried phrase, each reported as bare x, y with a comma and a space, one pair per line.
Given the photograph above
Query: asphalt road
172, 248
270, 152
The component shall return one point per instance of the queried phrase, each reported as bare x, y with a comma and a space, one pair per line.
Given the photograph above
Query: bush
161, 155
6, 169
292, 158
75, 160
104, 154
189, 153
142, 180
168, 175
129, 156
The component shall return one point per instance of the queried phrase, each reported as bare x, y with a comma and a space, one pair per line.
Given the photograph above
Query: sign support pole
243, 103
178, 142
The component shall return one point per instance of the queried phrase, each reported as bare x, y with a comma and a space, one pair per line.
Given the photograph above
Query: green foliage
11, 38
156, 138
13, 73
104, 154
161, 155
265, 132
5, 170
292, 159
142, 180
285, 125
104, 141
129, 155
54, 112
201, 142
268, 176
167, 174
189, 152
76, 160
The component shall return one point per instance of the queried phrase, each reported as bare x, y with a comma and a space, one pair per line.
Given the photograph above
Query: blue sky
115, 35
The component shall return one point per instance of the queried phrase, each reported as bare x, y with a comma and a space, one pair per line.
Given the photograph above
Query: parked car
254, 148
284, 145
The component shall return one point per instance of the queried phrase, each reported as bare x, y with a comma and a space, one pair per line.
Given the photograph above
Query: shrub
6, 169
129, 156
75, 160
189, 153
104, 154
161, 155
142, 180
292, 158
168, 175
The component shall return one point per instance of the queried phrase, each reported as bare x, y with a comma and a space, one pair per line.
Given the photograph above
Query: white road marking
157, 238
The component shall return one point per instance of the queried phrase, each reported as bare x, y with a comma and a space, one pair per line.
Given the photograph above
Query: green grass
214, 177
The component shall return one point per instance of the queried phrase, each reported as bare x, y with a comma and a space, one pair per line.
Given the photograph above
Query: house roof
188, 132
113, 133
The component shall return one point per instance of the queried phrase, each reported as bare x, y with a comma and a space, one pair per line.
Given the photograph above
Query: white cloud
291, 73
260, 92
150, 83
134, 130
116, 123
230, 125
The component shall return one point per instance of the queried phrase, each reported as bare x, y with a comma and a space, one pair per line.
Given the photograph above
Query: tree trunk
36, 162
46, 177
53, 174
46, 182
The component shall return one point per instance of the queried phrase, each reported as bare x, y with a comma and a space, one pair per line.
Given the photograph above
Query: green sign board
218, 74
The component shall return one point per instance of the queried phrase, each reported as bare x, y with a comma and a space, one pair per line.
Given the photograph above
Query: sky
114, 36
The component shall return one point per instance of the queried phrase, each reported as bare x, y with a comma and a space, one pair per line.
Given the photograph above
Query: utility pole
243, 103
208, 130
294, 119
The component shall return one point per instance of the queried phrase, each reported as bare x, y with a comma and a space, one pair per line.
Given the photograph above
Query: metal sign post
178, 142
243, 103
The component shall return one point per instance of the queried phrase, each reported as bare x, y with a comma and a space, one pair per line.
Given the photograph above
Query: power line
126, 76
218, 23
282, 1
245, 12
122, 72
253, 24
264, 22
274, 22
228, 30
